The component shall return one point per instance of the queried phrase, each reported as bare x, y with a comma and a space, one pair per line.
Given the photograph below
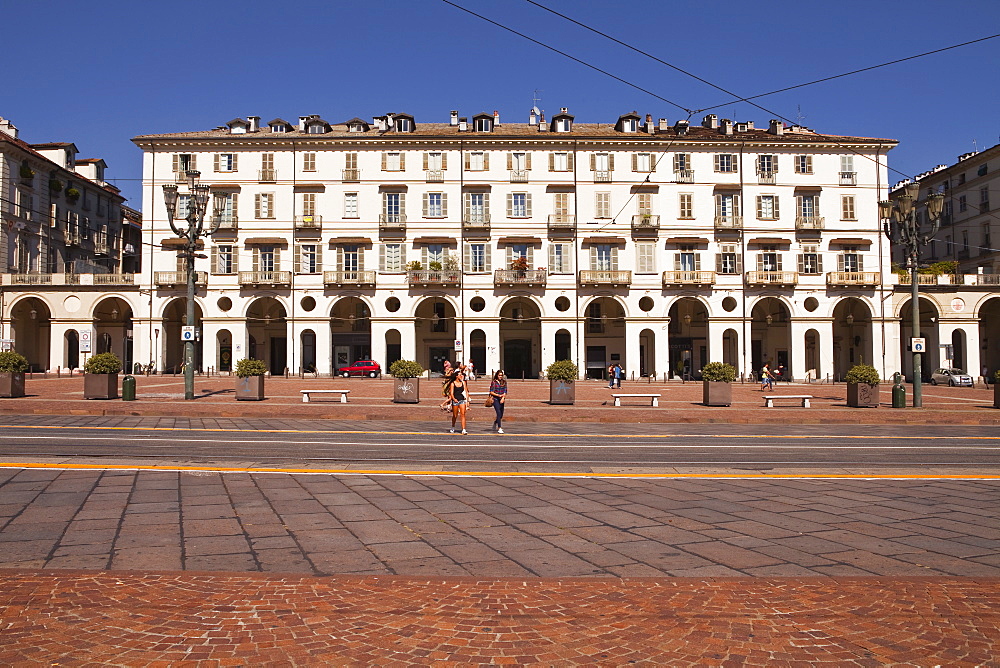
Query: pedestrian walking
449, 378
766, 377
458, 393
619, 372
470, 370
611, 376
447, 368
497, 398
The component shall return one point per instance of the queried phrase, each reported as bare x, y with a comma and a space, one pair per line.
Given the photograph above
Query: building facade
61, 247
660, 246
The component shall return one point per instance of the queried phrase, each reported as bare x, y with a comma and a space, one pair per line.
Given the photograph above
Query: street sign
187, 333
918, 345
86, 337
458, 345
6, 344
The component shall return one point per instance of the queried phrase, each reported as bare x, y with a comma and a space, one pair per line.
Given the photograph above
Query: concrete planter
716, 393
862, 395
406, 391
562, 392
250, 388
11, 385
100, 386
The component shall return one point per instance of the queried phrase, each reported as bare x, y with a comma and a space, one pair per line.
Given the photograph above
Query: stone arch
31, 329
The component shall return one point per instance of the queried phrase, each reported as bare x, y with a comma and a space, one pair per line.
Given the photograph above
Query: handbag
489, 401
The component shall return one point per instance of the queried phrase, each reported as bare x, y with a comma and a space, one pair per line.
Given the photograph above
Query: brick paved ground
370, 400
80, 618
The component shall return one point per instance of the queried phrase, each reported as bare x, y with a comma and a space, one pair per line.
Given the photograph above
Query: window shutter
277, 259
527, 161
236, 157
425, 196
194, 162
297, 259
444, 204
531, 257
819, 263
777, 261
381, 257
760, 262
510, 161
486, 205
467, 215
756, 163
468, 162
593, 162
256, 200
861, 262
798, 205
614, 258
736, 205
402, 161
425, 161
486, 160
611, 162
593, 258
697, 261
216, 160
569, 162
739, 264
214, 261
527, 205
236, 259
444, 161
802, 263
385, 160
552, 162
177, 163
760, 206
635, 162
319, 258
677, 162
774, 164
256, 259
677, 261
717, 161
510, 205
718, 262
423, 257
402, 204
840, 262
467, 257
486, 257
776, 213
552, 257
718, 205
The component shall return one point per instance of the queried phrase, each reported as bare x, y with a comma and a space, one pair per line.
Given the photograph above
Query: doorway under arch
770, 335
852, 335
350, 332
267, 330
31, 324
113, 330
520, 337
604, 338
688, 337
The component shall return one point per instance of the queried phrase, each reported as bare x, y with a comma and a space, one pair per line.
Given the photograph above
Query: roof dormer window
316, 126
564, 124
404, 124
483, 123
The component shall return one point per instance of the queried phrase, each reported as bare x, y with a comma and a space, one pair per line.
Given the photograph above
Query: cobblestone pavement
81, 618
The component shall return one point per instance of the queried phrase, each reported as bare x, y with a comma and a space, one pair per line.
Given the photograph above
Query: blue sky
98, 74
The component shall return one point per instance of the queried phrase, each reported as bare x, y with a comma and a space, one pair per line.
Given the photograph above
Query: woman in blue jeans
498, 393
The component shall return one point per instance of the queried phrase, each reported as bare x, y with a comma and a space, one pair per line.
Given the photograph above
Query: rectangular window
351, 161
225, 259
768, 260
393, 209
803, 164
392, 258
963, 204
642, 162
264, 205
645, 257
476, 161
308, 259
559, 259
519, 162
809, 260
984, 199
350, 205
434, 256
183, 207
767, 207
560, 162
728, 260
308, 204
847, 163
349, 258
266, 259
725, 162
225, 162
308, 162
477, 207
727, 205
392, 161
686, 202
847, 207
644, 203
767, 164
519, 205
267, 161
602, 205
682, 162
435, 205
435, 161
184, 162
849, 260
477, 258
602, 257
808, 206
601, 162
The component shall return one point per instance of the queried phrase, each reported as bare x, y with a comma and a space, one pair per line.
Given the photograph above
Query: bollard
128, 388
898, 392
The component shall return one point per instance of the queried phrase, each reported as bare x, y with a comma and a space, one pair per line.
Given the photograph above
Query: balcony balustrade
349, 175
312, 222
114, 279
683, 176
392, 221
729, 222
476, 221
180, 177
688, 278
31, 279
447, 277
848, 178
645, 223
228, 221
852, 278
255, 278
349, 278
518, 176
766, 178
562, 221
987, 279
605, 278
519, 277
602, 176
178, 278
434, 176
267, 176
772, 277
809, 222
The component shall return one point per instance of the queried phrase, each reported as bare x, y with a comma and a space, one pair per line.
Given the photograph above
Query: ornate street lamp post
902, 226
197, 203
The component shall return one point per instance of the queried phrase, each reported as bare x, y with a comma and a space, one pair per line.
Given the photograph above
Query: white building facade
660, 246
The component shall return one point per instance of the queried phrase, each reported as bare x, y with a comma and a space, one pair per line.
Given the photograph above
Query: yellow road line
511, 474
531, 434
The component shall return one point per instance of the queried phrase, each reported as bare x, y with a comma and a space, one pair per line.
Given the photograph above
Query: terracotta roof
67, 174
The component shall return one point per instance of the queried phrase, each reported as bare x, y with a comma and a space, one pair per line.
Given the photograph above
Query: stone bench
343, 394
654, 398
802, 398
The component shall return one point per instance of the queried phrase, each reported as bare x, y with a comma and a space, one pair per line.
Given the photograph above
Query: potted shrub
55, 186
862, 386
406, 381
27, 174
562, 377
100, 376
72, 194
717, 388
250, 380
12, 368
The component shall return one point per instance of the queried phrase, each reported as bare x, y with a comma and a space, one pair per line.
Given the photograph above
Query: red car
368, 368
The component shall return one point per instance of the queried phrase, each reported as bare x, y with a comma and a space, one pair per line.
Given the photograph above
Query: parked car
951, 376
368, 368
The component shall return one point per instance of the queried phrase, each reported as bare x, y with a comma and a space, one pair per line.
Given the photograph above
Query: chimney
541, 122
750, 125
711, 122
8, 128
650, 128
776, 127
663, 125
681, 127
302, 123
254, 123
463, 124
454, 118
496, 118
727, 127
563, 110
533, 116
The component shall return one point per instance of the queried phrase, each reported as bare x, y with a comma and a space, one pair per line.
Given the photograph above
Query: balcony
427, 277
478, 222
519, 176
987, 279
519, 277
562, 221
102, 248
166, 279
852, 278
645, 223
257, 278
772, 277
729, 222
267, 176
228, 222
809, 222
683, 176
602, 176
606, 278
349, 175
433, 176
180, 177
349, 278
114, 279
688, 278
392, 221
31, 279
310, 223
848, 178
766, 178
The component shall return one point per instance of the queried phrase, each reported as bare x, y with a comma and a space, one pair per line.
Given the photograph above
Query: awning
509, 241
687, 240
265, 241
427, 241
392, 186
850, 242
808, 188
350, 241
560, 187
224, 186
770, 241
593, 241
645, 187
310, 186
727, 186
180, 243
